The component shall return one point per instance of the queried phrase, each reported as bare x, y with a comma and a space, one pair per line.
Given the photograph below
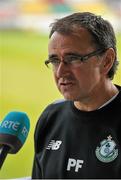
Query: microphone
14, 130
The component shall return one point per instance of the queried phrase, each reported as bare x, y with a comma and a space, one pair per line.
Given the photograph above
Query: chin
68, 97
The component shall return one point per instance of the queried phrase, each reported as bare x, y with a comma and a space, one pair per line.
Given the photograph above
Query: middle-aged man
80, 137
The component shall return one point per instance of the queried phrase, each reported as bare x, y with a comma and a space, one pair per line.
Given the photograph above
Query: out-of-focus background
25, 83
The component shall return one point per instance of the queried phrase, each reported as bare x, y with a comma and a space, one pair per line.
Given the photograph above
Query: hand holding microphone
14, 130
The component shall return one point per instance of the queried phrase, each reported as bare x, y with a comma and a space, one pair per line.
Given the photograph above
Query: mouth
67, 84
64, 84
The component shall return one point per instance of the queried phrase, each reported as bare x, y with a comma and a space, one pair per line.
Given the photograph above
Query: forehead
79, 40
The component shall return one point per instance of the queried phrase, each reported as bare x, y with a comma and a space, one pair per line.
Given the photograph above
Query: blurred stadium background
25, 83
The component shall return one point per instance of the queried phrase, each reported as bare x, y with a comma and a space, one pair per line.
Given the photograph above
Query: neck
97, 97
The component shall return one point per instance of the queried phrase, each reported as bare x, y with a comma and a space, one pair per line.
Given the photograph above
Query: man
80, 137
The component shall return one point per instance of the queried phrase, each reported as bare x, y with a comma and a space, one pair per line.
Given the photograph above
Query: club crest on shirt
107, 151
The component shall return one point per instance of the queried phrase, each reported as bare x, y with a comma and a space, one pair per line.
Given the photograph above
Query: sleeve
41, 124
36, 171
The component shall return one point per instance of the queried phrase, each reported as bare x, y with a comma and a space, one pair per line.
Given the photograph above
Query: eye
72, 59
54, 61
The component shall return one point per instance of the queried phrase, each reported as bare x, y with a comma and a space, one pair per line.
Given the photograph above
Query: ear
108, 60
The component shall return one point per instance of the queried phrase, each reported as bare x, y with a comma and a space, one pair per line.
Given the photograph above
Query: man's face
75, 83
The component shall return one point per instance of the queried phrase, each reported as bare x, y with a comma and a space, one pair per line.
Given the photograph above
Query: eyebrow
52, 55
66, 54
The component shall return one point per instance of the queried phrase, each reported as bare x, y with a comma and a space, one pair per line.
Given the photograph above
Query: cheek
87, 76
81, 74
55, 78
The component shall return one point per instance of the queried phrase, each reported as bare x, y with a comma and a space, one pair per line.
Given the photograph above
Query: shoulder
57, 104
59, 101
45, 118
50, 110
119, 94
51, 107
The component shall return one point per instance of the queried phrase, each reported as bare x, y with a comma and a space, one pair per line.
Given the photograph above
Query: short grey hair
101, 30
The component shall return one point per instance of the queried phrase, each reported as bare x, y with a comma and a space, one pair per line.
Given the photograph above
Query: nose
62, 70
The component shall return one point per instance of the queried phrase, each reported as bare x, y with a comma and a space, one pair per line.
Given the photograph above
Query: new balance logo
54, 145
